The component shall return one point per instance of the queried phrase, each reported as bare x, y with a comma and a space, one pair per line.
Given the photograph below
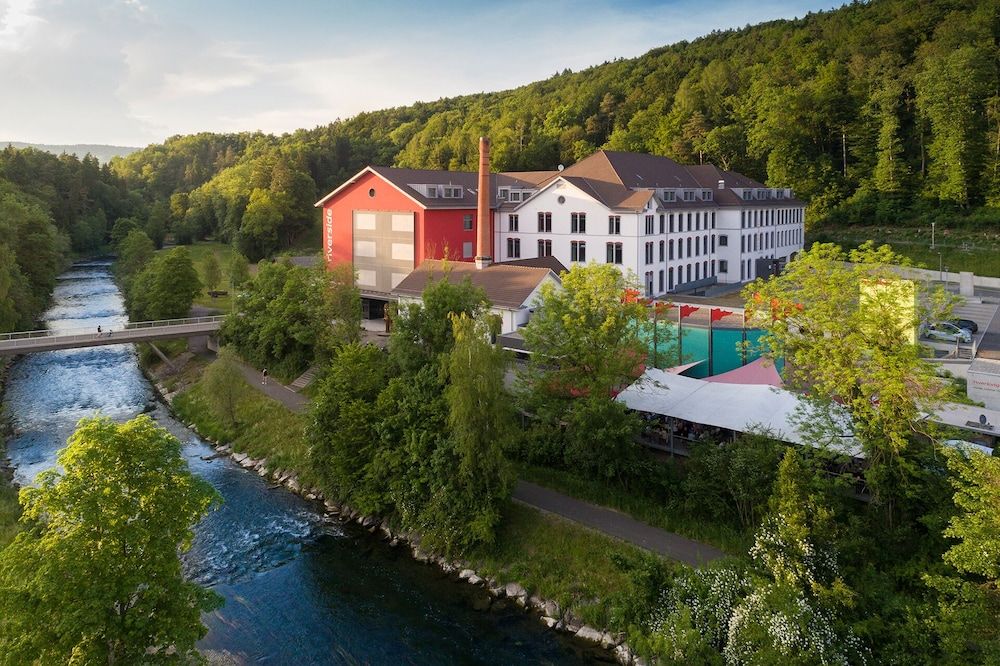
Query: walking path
294, 402
607, 521
616, 524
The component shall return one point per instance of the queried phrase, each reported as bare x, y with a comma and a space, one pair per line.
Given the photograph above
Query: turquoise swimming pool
726, 348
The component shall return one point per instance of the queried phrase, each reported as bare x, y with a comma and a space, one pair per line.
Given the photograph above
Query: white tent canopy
736, 407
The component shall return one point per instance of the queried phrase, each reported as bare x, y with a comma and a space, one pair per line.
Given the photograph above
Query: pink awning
760, 371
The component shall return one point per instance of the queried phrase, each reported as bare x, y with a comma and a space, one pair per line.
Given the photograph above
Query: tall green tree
343, 305
213, 272
587, 334
851, 348
224, 385
166, 288
135, 253
95, 577
969, 603
239, 270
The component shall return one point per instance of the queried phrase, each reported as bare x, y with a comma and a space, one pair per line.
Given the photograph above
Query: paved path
294, 402
608, 521
616, 524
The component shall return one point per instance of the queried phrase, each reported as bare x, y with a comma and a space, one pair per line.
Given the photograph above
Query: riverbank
10, 508
575, 580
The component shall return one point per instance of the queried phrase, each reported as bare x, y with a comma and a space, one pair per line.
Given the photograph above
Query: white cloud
136, 71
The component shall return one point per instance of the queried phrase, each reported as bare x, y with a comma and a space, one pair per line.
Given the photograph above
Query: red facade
438, 233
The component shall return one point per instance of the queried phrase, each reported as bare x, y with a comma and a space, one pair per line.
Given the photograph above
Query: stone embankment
549, 611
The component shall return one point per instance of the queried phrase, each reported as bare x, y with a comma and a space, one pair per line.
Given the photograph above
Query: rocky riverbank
499, 592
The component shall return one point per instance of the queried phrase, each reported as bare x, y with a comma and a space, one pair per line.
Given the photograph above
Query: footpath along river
297, 590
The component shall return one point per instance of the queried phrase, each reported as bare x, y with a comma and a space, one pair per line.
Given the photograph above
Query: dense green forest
51, 209
881, 112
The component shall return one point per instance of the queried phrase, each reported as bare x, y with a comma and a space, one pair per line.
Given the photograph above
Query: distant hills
102, 152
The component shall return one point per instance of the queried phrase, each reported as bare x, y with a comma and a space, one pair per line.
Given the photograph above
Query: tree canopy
95, 577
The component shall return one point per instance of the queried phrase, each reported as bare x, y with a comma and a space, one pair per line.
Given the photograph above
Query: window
578, 251
452, 192
706, 195
671, 223
661, 255
680, 248
669, 195
467, 222
578, 223
697, 271
614, 253
432, 191
544, 248
688, 271
697, 246
515, 196
545, 223
688, 195
503, 193
670, 278
670, 249
514, 222
689, 247
697, 221
663, 226
513, 248
371, 192
649, 224
614, 226
743, 219
661, 282
743, 244
467, 250
649, 252
723, 241
689, 221
713, 244
713, 219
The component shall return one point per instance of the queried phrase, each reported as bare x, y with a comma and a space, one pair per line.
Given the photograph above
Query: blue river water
297, 589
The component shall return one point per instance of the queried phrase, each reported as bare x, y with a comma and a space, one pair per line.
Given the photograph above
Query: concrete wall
924, 275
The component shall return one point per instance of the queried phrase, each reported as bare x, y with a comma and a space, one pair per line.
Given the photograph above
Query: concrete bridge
26, 342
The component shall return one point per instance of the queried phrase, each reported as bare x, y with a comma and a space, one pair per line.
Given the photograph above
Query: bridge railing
89, 332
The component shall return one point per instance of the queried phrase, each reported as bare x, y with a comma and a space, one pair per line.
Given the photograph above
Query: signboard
328, 235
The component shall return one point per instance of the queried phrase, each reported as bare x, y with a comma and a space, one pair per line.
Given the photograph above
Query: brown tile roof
549, 262
506, 286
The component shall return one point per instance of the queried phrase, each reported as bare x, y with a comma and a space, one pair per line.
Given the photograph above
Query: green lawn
199, 255
10, 511
264, 428
580, 569
960, 250
639, 507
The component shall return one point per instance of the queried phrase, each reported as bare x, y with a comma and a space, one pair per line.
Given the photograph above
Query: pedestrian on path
98, 331
263, 377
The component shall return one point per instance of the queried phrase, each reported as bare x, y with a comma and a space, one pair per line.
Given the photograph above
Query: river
297, 589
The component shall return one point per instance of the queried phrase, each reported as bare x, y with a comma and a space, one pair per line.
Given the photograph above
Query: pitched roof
506, 286
549, 262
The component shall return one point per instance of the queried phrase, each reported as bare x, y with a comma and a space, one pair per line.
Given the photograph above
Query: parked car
967, 324
947, 332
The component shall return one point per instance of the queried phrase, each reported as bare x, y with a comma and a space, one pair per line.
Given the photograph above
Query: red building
387, 220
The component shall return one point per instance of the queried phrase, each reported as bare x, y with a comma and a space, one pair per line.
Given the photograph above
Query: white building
674, 227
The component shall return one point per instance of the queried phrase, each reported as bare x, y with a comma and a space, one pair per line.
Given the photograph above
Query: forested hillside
51, 208
883, 112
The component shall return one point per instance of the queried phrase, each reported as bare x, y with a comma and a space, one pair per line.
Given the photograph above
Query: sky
134, 72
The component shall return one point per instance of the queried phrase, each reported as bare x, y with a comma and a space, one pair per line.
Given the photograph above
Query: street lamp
932, 235
940, 268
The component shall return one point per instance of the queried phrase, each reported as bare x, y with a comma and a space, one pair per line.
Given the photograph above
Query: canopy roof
967, 417
737, 407
761, 371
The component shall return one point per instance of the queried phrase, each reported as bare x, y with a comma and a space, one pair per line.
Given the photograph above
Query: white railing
76, 334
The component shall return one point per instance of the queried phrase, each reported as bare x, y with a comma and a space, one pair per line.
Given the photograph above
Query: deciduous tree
95, 577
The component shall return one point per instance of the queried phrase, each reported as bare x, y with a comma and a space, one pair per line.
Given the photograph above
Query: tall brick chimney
484, 226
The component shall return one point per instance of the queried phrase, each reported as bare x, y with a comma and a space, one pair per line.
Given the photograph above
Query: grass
199, 256
264, 428
10, 511
559, 560
642, 508
960, 250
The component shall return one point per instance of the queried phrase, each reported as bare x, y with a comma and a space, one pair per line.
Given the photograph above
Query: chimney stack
722, 184
484, 226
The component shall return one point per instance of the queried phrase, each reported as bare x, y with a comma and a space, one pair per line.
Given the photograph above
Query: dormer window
452, 192
503, 193
706, 195
515, 196
688, 195
432, 191
669, 196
